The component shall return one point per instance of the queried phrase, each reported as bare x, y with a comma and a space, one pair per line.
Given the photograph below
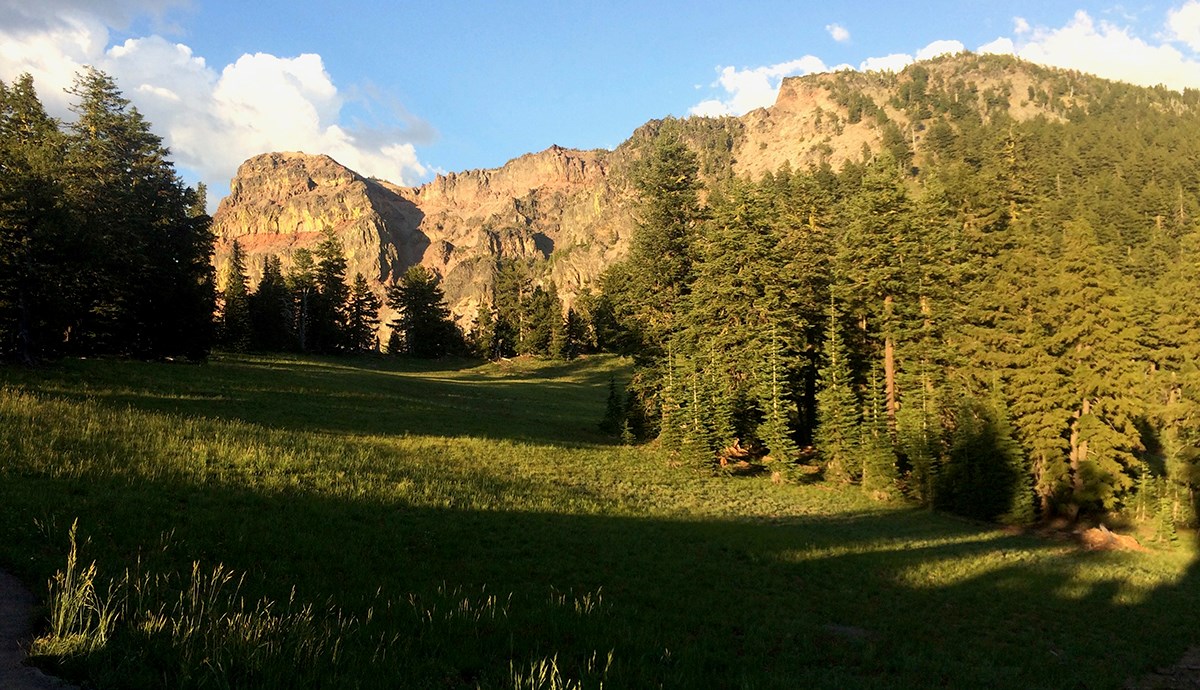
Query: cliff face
558, 210
569, 214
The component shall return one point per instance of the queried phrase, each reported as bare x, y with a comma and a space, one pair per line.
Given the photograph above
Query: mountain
568, 214
561, 211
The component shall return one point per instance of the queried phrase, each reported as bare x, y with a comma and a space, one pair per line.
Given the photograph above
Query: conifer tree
301, 282
613, 422
234, 333
653, 281
39, 257
775, 430
328, 317
422, 326
838, 419
272, 309
362, 317
150, 288
879, 473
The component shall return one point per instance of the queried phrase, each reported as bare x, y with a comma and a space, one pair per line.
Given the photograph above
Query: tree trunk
889, 363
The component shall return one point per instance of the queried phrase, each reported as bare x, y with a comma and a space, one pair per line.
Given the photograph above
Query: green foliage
362, 317
271, 310
838, 416
422, 327
234, 332
102, 247
396, 522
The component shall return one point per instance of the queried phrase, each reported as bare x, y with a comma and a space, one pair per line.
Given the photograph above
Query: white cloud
211, 120
940, 48
1020, 26
1184, 24
1111, 51
888, 63
1000, 46
838, 32
752, 88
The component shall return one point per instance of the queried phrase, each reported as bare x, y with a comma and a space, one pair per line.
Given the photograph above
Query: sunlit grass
379, 524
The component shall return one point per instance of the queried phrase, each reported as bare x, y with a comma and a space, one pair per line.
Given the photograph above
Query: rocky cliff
568, 214
560, 211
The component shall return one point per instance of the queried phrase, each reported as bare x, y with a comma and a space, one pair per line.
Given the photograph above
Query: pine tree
272, 310
775, 430
614, 409
422, 326
40, 257
302, 285
838, 419
328, 318
150, 284
879, 472
651, 284
362, 317
234, 333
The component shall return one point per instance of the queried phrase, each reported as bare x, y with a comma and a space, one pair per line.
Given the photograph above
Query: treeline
312, 307
103, 250
1001, 322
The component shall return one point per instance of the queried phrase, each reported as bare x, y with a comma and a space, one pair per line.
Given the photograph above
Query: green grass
268, 522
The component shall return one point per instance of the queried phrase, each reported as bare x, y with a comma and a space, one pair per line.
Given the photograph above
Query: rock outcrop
559, 210
569, 214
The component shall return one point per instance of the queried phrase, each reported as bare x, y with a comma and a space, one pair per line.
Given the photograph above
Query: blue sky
404, 90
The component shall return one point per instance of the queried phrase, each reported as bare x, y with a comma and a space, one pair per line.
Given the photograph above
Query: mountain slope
568, 214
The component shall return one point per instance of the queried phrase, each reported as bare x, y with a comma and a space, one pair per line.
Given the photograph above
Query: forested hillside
994, 310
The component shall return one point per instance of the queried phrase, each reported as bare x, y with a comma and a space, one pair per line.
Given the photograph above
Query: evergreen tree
328, 327
879, 472
150, 284
838, 418
39, 257
234, 333
422, 327
650, 285
301, 283
613, 422
362, 317
271, 310
775, 430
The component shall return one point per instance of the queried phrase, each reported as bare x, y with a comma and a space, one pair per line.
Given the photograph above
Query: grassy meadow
307, 522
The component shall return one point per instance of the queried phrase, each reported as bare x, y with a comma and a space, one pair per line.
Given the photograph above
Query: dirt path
16, 607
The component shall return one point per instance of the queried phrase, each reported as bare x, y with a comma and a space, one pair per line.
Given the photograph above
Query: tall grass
261, 522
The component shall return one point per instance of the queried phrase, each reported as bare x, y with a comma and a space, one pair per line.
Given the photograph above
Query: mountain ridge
568, 213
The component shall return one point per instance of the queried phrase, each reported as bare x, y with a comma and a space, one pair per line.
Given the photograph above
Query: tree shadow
891, 598
357, 396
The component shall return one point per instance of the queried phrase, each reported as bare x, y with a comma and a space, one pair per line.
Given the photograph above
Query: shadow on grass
895, 598
524, 400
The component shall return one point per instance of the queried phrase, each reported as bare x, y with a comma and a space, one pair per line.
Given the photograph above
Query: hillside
568, 214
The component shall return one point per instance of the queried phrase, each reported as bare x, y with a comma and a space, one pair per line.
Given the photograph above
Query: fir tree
362, 317
838, 420
271, 310
422, 326
234, 333
328, 318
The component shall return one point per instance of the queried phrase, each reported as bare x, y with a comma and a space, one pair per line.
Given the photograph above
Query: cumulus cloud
838, 32
1183, 23
756, 87
888, 63
212, 120
1110, 50
940, 48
